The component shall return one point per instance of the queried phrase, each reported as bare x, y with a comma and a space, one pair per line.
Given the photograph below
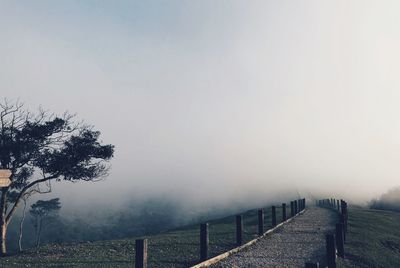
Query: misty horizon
208, 103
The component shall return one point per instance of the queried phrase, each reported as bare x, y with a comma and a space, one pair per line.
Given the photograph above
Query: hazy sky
217, 97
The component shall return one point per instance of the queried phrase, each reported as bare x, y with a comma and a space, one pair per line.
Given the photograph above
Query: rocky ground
299, 241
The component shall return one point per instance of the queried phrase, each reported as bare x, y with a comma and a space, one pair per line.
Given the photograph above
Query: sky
217, 100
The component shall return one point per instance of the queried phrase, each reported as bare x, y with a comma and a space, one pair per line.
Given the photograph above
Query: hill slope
373, 239
175, 248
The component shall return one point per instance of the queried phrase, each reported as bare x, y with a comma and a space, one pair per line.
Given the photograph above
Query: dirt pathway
295, 243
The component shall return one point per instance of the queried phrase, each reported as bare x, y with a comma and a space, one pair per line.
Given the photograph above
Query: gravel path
295, 243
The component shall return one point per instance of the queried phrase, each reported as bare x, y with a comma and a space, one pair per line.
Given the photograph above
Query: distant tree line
133, 219
43, 224
387, 201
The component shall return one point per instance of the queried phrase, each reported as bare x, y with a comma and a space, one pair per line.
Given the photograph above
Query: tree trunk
21, 227
39, 233
3, 239
3, 223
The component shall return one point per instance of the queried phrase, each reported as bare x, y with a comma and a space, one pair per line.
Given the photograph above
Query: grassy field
373, 239
175, 248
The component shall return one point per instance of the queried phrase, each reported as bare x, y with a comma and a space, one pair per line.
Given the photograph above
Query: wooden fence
335, 241
296, 207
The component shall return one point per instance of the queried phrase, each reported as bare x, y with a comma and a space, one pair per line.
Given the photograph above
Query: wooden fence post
343, 223
330, 251
283, 211
141, 253
260, 222
304, 203
273, 215
204, 240
344, 213
339, 240
312, 265
292, 209
295, 207
338, 207
239, 230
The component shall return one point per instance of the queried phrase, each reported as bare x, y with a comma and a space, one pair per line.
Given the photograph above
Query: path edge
237, 249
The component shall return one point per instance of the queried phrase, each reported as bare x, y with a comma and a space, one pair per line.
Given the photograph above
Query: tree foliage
42, 147
43, 208
43, 213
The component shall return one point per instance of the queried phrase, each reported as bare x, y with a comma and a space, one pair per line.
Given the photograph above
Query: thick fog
214, 101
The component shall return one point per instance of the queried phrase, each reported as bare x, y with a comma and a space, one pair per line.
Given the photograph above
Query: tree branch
11, 212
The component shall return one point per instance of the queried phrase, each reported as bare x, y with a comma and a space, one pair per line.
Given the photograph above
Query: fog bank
209, 102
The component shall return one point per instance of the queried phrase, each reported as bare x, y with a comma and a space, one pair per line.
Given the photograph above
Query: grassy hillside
373, 239
175, 248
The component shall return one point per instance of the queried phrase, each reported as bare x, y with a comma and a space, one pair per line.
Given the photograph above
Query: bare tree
42, 147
